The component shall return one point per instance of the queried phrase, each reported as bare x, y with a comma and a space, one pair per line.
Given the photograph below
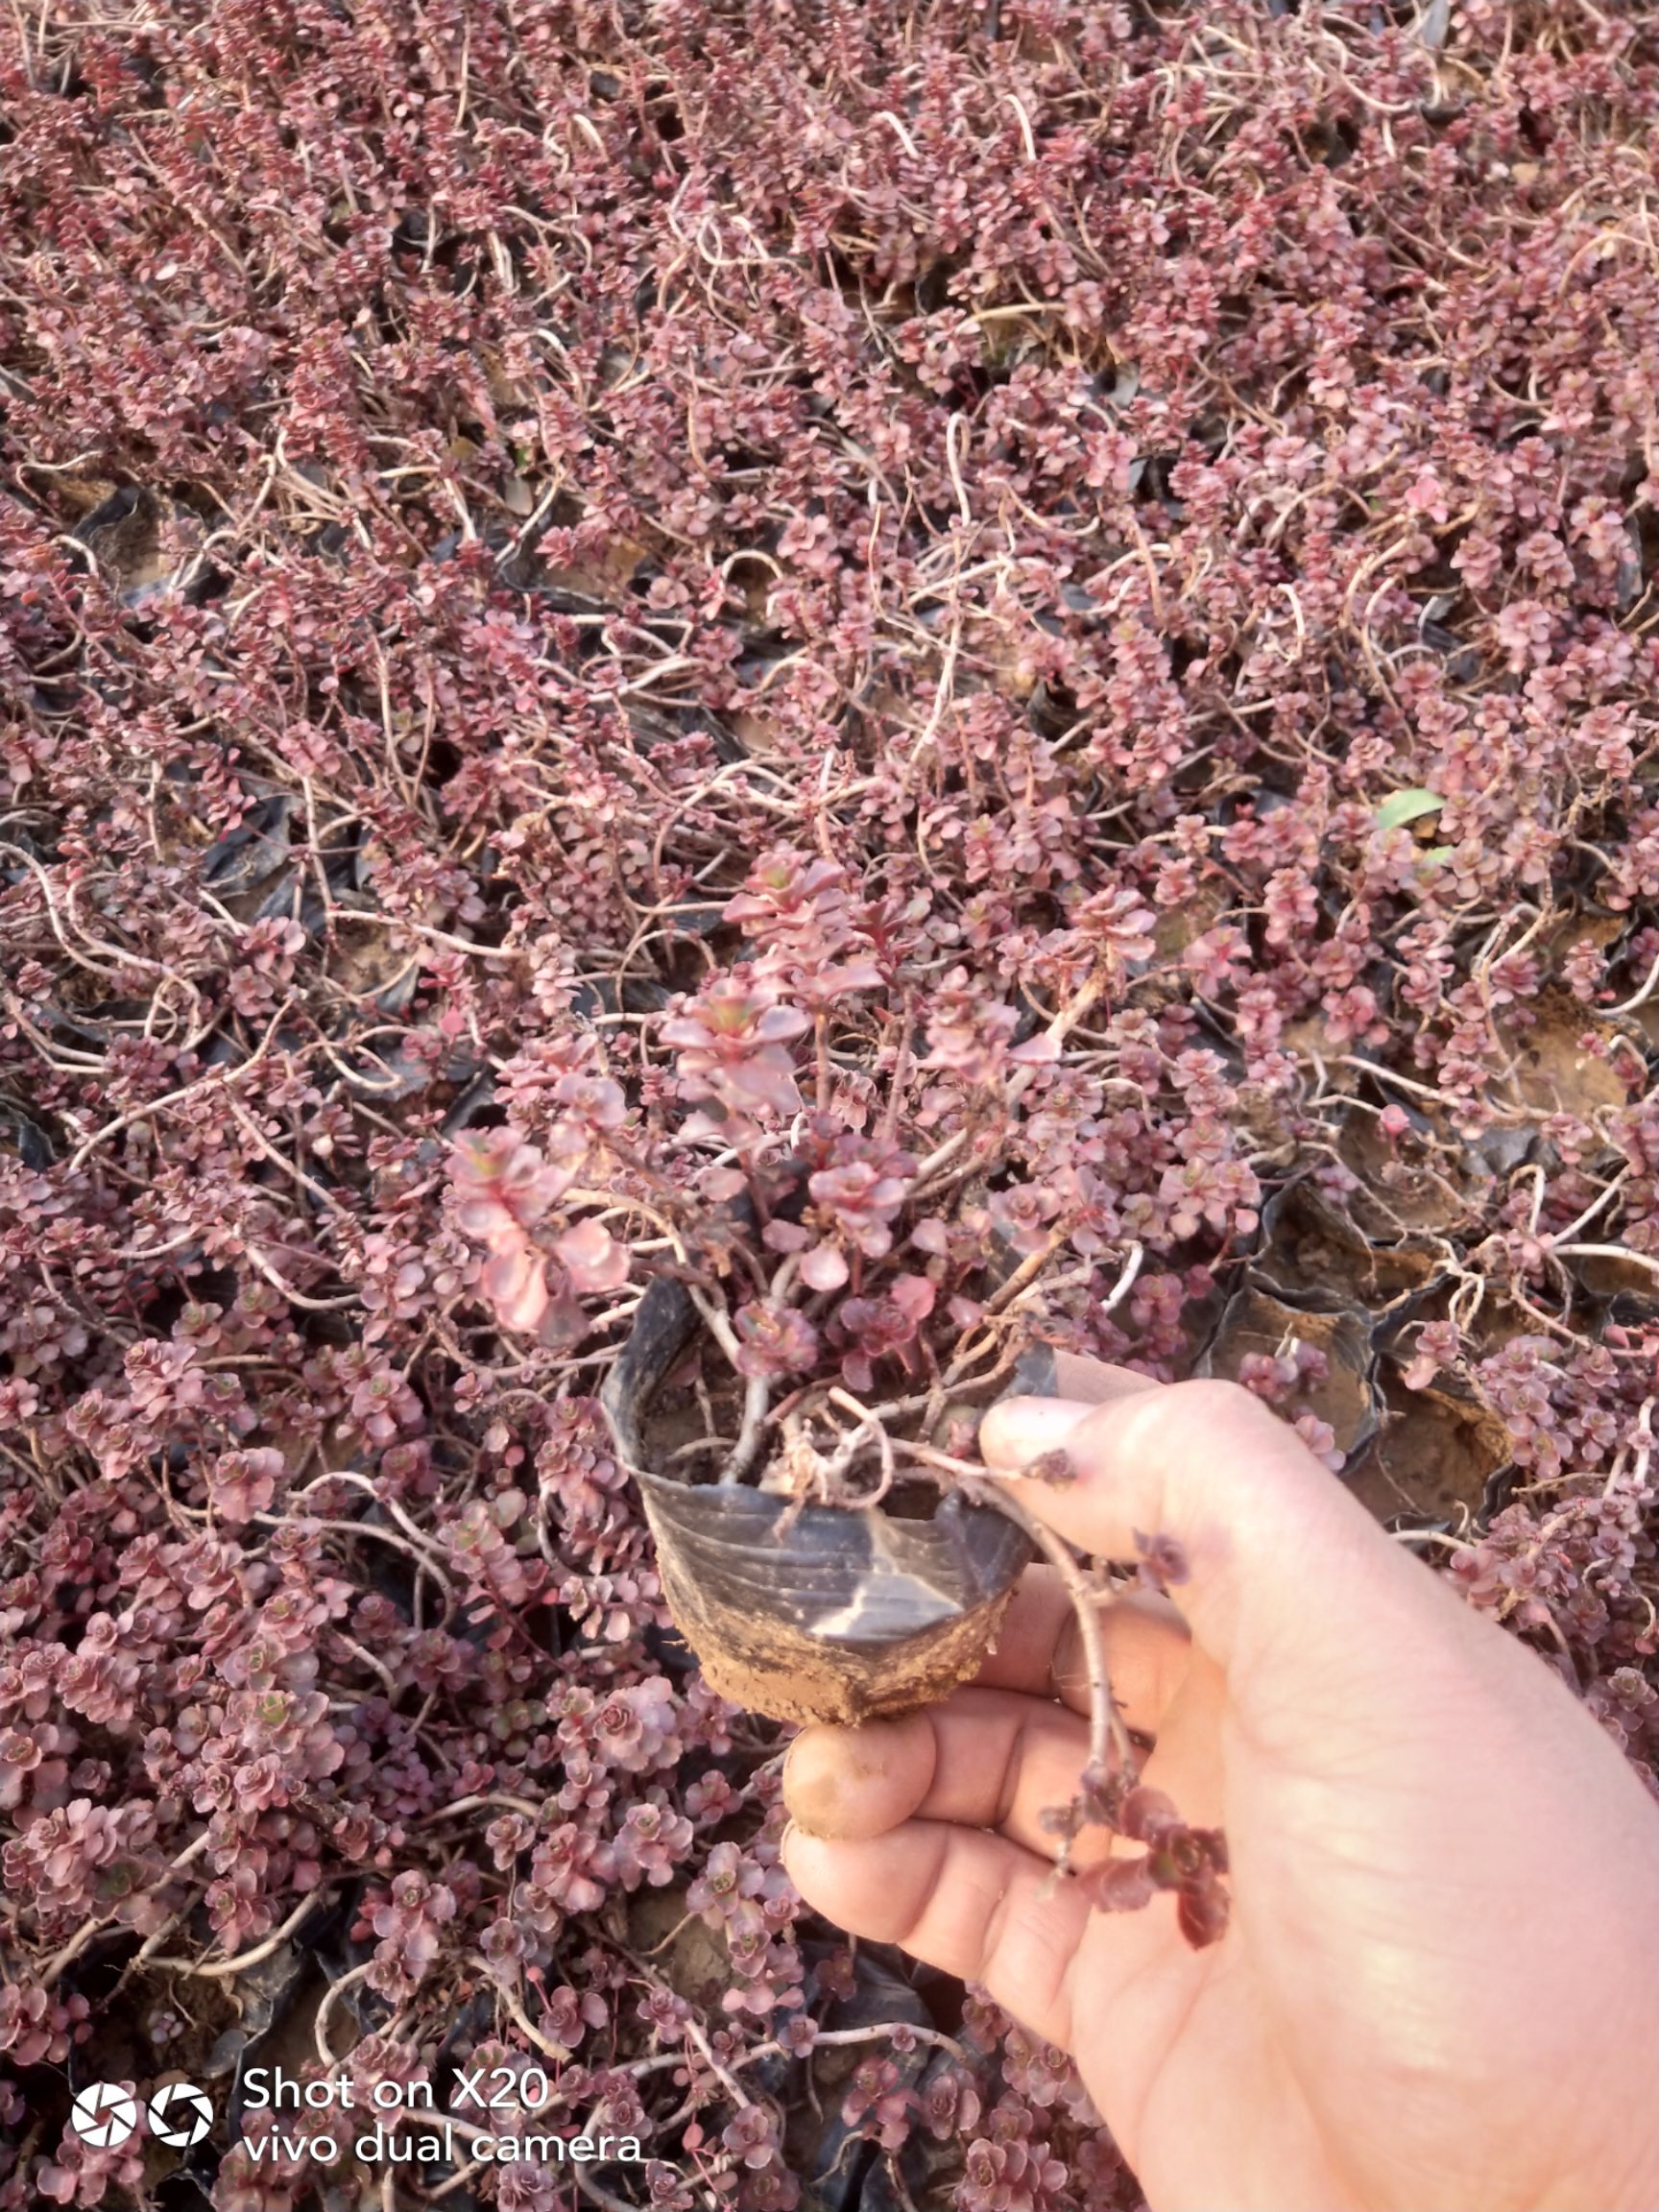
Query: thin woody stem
758, 1395
872, 1425
1109, 1740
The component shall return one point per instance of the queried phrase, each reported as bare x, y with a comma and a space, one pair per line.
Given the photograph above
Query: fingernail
1020, 1430
789, 1759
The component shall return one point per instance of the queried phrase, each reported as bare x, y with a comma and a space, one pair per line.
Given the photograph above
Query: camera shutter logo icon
181, 2115
105, 2115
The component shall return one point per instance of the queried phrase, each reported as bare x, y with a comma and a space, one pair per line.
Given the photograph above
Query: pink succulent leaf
592, 1258
824, 1268
595, 1099
514, 1282
495, 1167
852, 975
773, 1339
779, 1023
766, 1079
243, 1484
1202, 1912
685, 1032
1120, 1886
483, 1218
564, 1323
719, 1183
1146, 1815
1118, 922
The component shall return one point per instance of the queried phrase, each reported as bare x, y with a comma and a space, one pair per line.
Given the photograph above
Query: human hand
1439, 1987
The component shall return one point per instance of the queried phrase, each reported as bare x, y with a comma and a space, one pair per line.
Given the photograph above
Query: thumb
1277, 1553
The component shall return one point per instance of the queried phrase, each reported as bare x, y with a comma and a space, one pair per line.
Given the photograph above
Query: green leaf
1403, 806
1438, 855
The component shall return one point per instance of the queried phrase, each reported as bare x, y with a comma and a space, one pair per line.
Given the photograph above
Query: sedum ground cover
1142, 515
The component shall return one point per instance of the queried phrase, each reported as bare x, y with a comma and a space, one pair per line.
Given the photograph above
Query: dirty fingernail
842, 1782
815, 1779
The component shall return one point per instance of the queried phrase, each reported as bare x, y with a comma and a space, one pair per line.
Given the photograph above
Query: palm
1194, 2083
1325, 2058
1195, 2055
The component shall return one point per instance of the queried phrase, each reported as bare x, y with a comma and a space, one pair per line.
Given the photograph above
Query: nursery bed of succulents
1044, 609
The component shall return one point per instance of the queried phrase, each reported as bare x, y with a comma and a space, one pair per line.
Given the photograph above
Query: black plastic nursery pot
813, 1612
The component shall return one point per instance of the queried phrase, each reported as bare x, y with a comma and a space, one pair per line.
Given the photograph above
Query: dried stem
226, 1969
757, 1397
870, 1425
1109, 1747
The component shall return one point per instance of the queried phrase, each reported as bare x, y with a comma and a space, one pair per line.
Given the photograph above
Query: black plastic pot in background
812, 1612
1258, 1318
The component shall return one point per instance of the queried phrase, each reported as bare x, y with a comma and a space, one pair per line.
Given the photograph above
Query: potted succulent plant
837, 1286
834, 1290
800, 1379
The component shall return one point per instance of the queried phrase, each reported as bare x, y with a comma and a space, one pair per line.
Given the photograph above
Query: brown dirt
1608, 1277
1434, 1457
121, 2048
1313, 1246
691, 1957
1553, 1071
1411, 1187
1179, 926
789, 1676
